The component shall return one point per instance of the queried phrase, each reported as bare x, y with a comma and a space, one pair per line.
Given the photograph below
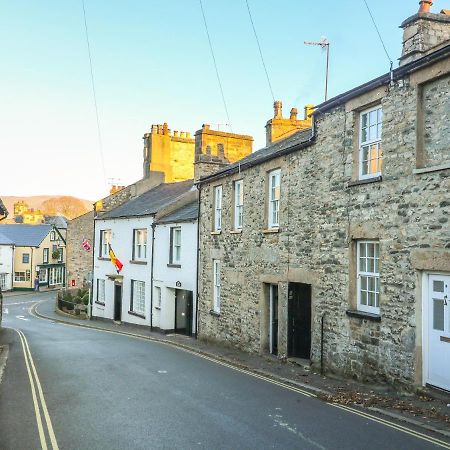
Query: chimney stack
294, 113
277, 109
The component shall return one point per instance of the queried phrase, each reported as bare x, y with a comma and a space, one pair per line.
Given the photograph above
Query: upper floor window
238, 204
45, 253
53, 235
140, 244
368, 282
370, 148
175, 245
25, 258
274, 198
217, 208
61, 255
105, 240
217, 281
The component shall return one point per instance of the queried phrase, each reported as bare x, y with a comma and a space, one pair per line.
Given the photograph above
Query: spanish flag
114, 259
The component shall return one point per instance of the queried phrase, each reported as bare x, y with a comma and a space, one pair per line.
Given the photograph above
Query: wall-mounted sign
86, 245
178, 284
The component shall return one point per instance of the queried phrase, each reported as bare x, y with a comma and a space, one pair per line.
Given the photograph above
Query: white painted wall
6, 264
122, 244
167, 277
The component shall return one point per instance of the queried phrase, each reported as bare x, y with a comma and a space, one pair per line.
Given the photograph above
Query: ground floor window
100, 291
137, 303
22, 276
56, 276
43, 276
3, 281
368, 276
158, 296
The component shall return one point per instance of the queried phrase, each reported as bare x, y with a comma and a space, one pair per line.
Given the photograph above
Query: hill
51, 205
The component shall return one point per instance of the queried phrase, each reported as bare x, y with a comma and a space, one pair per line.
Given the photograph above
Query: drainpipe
151, 277
91, 290
198, 259
321, 342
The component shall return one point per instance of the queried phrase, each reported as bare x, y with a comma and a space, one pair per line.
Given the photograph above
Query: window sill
132, 313
214, 313
99, 303
158, 308
363, 315
135, 261
431, 169
101, 258
215, 233
365, 181
176, 266
236, 231
271, 230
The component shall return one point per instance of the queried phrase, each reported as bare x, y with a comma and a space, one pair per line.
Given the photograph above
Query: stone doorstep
313, 389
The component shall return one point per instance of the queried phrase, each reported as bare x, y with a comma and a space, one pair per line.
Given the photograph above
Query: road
98, 390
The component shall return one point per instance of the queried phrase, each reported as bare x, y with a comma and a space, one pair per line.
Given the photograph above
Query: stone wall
324, 211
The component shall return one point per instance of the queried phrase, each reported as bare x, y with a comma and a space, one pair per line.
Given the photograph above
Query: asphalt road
108, 391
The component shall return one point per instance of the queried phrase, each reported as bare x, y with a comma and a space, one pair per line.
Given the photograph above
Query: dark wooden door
183, 312
299, 320
118, 302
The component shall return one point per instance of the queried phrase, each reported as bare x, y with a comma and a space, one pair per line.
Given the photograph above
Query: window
43, 275
105, 239
25, 258
274, 198
369, 276
238, 204
217, 208
3, 281
52, 235
28, 275
45, 254
19, 276
100, 291
216, 268
175, 245
55, 276
140, 244
61, 254
370, 150
158, 297
137, 304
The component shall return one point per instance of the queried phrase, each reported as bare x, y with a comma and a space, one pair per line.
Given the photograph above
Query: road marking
29, 360
19, 303
385, 422
398, 427
6, 311
22, 318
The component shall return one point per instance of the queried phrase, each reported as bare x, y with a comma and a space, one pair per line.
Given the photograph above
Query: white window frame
3, 281
238, 204
217, 285
364, 277
105, 240
175, 240
137, 304
274, 198
43, 275
53, 235
101, 284
61, 255
19, 277
45, 255
369, 142
56, 276
158, 297
140, 244
218, 192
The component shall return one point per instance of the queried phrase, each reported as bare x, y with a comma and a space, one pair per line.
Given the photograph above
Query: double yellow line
38, 397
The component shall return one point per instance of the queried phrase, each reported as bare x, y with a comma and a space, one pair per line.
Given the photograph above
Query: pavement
104, 385
428, 408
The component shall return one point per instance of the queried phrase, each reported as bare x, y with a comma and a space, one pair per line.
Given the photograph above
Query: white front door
439, 331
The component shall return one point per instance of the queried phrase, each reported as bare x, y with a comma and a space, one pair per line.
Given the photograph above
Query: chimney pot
425, 6
182, 134
278, 109
294, 113
205, 126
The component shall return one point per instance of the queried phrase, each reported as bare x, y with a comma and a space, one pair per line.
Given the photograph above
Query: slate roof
150, 202
184, 214
4, 240
278, 148
3, 210
58, 221
25, 235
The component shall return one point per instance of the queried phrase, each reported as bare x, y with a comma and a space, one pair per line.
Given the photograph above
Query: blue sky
152, 64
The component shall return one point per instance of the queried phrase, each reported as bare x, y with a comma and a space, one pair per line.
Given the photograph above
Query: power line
100, 142
379, 34
215, 64
260, 51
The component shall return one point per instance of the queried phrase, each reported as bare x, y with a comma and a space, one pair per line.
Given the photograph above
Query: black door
183, 312
299, 320
118, 302
274, 319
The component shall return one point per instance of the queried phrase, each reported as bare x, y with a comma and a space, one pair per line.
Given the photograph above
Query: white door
439, 331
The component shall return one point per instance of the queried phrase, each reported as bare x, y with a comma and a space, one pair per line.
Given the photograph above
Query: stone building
333, 245
174, 153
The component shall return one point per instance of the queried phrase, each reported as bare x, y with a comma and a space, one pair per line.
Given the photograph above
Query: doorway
118, 302
437, 330
299, 320
183, 312
273, 319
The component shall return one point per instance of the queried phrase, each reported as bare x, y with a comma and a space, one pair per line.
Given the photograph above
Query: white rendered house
6, 263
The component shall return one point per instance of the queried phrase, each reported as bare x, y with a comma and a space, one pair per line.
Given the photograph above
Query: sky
152, 64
